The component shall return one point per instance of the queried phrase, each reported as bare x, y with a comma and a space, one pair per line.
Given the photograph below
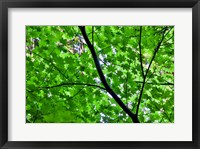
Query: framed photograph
103, 74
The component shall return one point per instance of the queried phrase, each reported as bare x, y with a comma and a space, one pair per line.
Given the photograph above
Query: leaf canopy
63, 85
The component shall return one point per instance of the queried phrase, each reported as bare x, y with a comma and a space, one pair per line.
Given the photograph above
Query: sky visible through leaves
99, 74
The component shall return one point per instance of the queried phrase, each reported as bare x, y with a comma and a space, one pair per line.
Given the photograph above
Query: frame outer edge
1, 85
4, 77
198, 102
3, 74
195, 75
101, 3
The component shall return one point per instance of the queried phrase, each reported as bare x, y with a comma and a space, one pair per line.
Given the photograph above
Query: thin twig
167, 83
140, 47
71, 84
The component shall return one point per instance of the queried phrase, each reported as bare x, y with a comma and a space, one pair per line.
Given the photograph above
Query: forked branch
103, 79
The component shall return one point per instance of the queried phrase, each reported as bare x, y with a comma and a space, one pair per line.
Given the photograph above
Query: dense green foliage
63, 84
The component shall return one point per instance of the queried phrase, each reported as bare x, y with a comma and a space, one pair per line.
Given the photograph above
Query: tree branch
70, 84
93, 35
103, 79
140, 47
167, 83
144, 79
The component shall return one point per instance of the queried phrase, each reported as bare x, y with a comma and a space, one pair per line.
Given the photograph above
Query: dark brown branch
93, 35
153, 73
167, 83
103, 79
71, 84
140, 47
126, 87
144, 79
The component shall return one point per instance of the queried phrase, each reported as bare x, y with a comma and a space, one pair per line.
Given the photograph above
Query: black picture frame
5, 4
